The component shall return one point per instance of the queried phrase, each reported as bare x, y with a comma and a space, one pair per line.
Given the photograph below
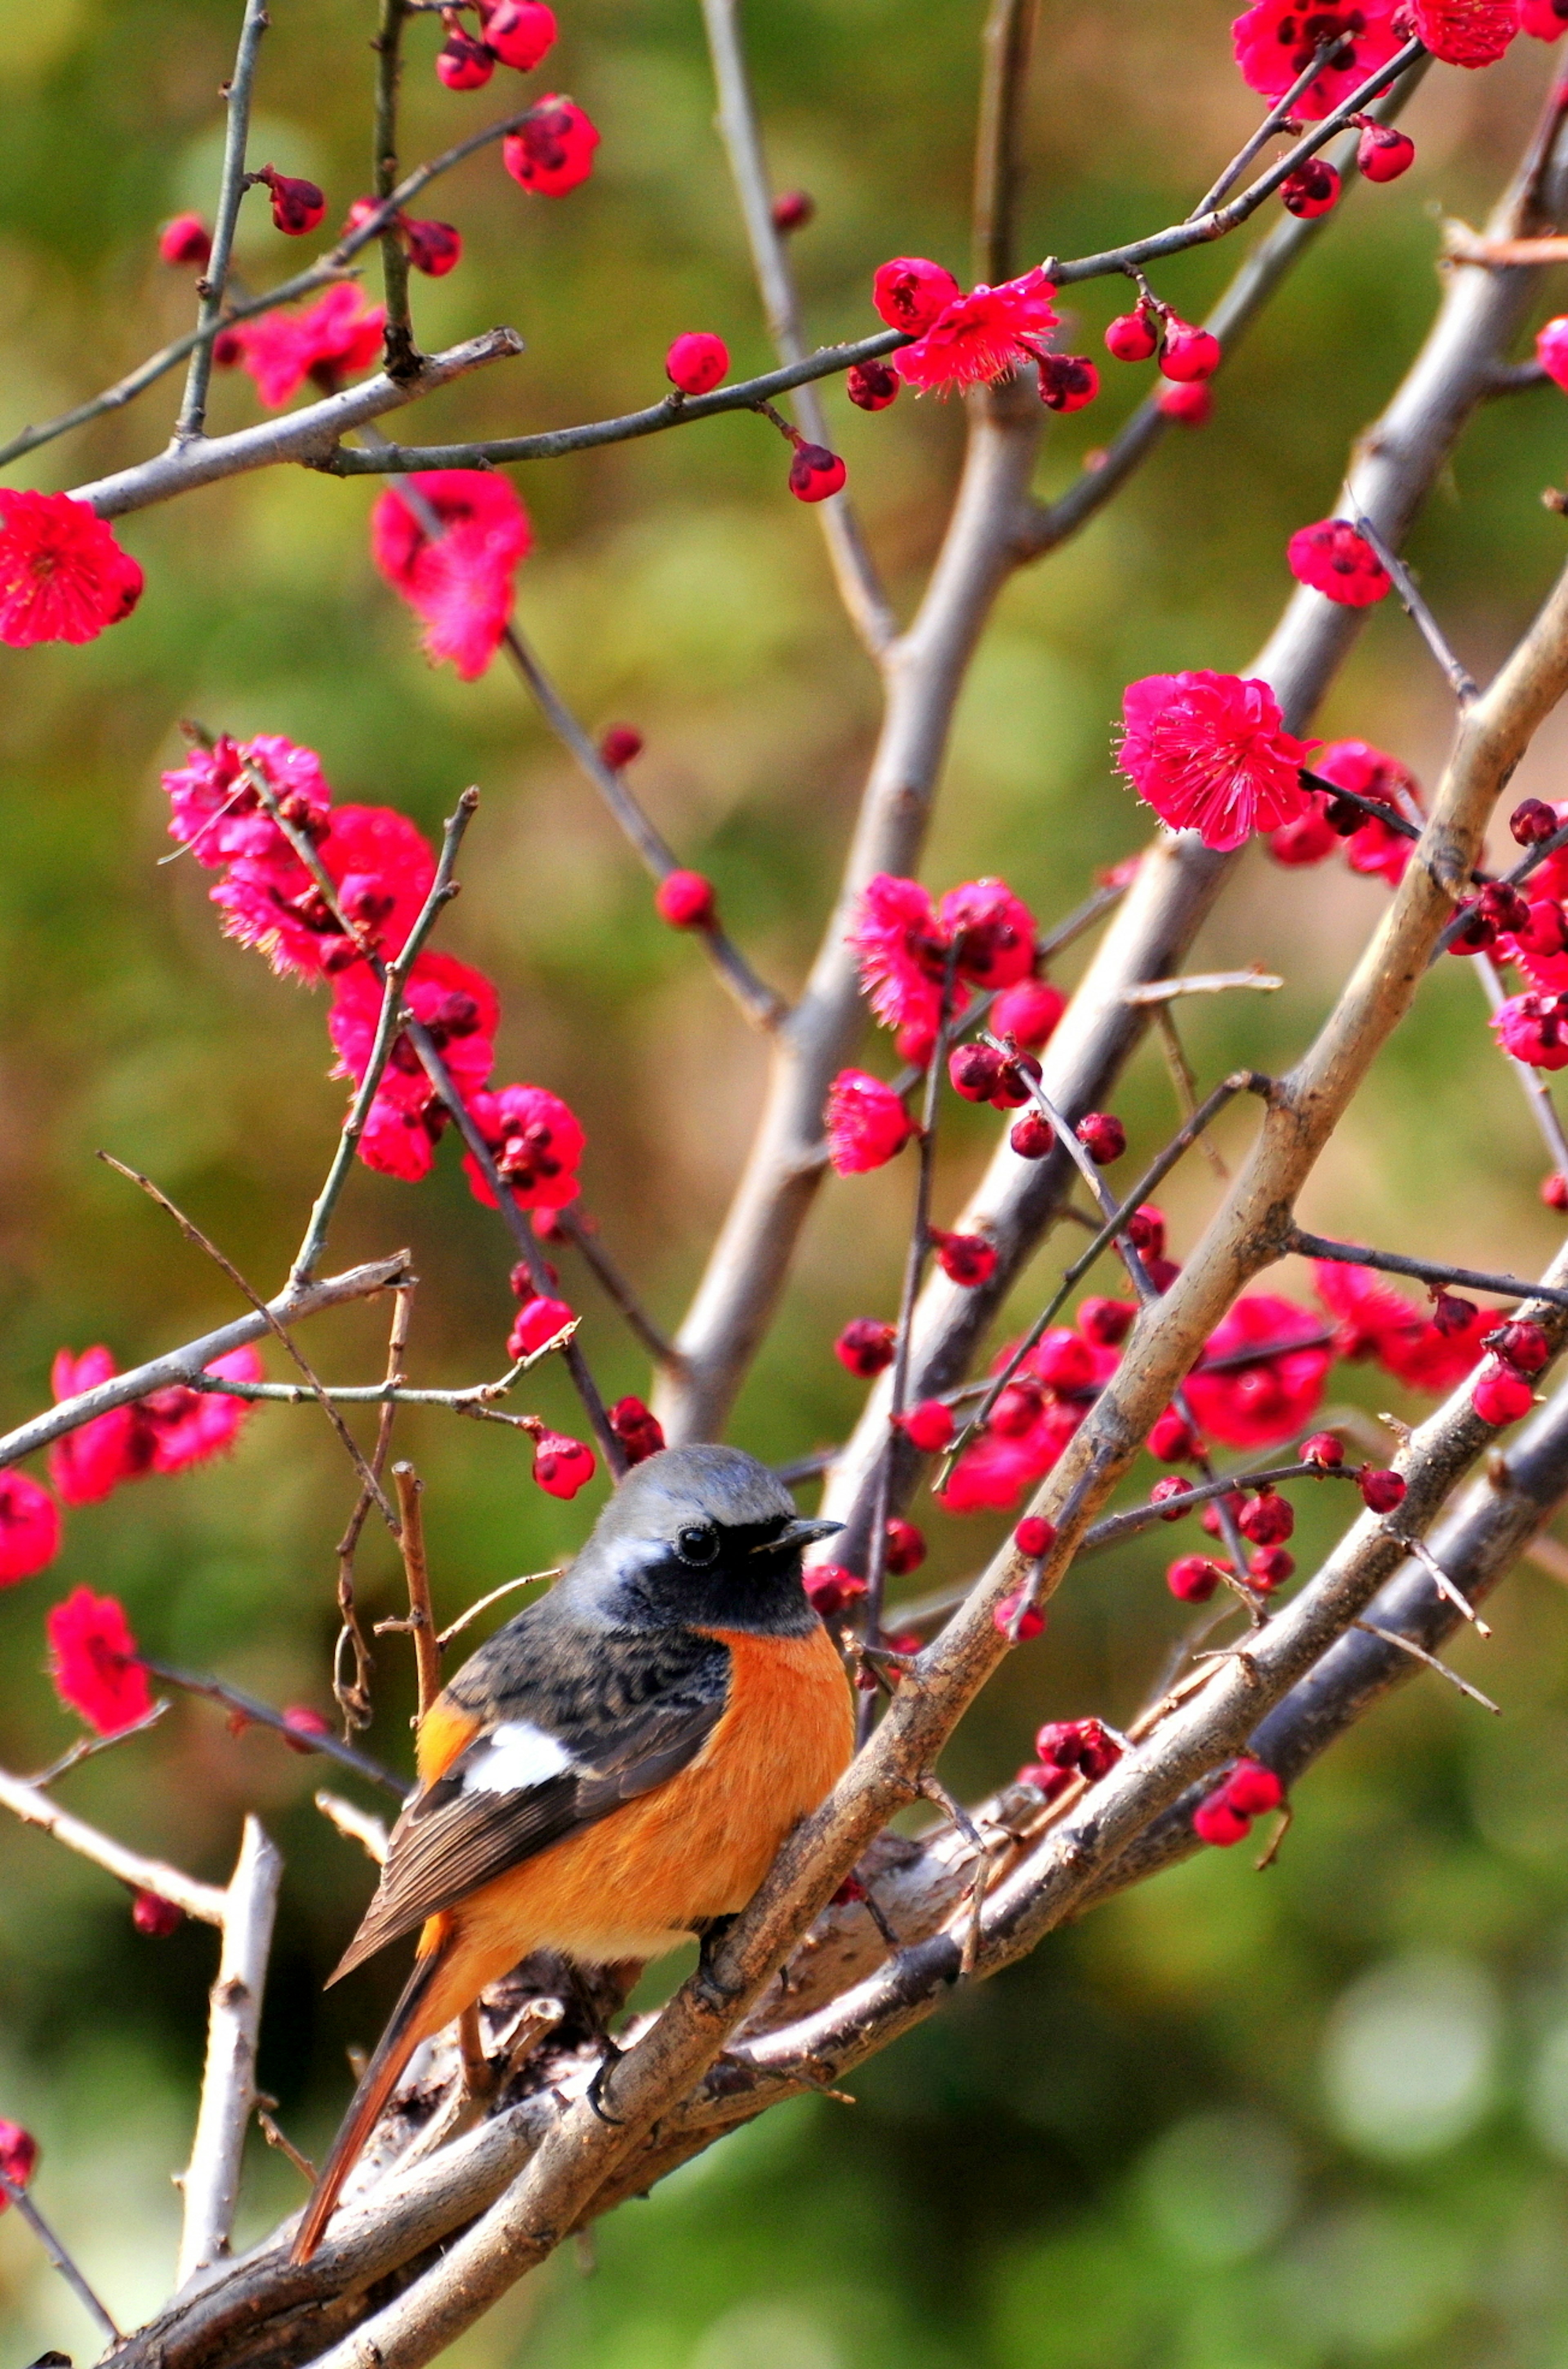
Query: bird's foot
718, 1994
612, 2054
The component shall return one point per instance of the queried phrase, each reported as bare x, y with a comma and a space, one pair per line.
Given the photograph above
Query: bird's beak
799, 1533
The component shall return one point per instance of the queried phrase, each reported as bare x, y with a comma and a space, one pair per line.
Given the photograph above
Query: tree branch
232, 187
211, 2183
143, 1875
186, 1364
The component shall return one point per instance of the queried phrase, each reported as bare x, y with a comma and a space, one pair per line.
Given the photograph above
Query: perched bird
617, 1766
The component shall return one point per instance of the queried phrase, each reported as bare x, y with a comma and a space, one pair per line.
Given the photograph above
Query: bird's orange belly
635, 1884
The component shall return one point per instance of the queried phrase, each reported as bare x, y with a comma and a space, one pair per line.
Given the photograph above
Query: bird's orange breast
700, 1843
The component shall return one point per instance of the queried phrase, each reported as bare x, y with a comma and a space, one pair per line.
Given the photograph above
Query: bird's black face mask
711, 1540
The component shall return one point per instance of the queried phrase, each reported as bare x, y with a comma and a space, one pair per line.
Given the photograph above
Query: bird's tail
404, 2032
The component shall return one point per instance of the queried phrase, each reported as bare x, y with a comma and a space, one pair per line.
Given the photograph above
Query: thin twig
355, 1825
1532, 1084
581, 1232
1202, 982
416, 1571
1005, 48
232, 187
495, 1596
276, 2136
251, 1711
401, 353
324, 273
352, 1695
1184, 1079
1275, 120
193, 1233
59, 2259
1409, 1645
1461, 682
860, 587
1511, 1287
442, 889
133, 1867
87, 1747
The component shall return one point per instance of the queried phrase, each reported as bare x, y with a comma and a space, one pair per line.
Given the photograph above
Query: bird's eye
697, 1544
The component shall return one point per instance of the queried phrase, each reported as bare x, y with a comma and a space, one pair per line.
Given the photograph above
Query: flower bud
1016, 1081
1253, 1789
1132, 337
965, 1259
1554, 1190
1312, 190
434, 247
906, 1548
1382, 1490
1104, 1136
1018, 1408
1028, 1014
1031, 1137
1146, 1229
561, 1465
1190, 352
462, 64
1504, 907
1165, 1492
1067, 381
551, 152
832, 1589
1270, 1568
1173, 1438
185, 240
792, 209
928, 1426
19, 2156
872, 386
1193, 1578
1189, 407
519, 32
1452, 1314
638, 1428
1044, 1778
1030, 1625
1383, 153
866, 1347
539, 1320
298, 207
1323, 1450
814, 472
696, 361
1062, 1359
152, 1915
910, 293
1499, 1394
1034, 1536
686, 900
1219, 1822
304, 1725
619, 744
975, 1071
1107, 1322
1267, 1521
1531, 820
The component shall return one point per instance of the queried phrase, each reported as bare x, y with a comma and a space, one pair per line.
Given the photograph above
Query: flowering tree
495, 2151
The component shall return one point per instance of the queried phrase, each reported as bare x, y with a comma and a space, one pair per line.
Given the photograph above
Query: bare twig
1461, 682
401, 353
60, 2259
527, 1578
443, 889
421, 1619
87, 1747
1005, 47
275, 1326
860, 588
355, 1825
143, 1875
583, 1235
252, 1712
1511, 1287
231, 190
352, 1695
211, 2183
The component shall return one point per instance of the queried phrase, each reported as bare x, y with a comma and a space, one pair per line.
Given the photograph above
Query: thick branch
228, 2085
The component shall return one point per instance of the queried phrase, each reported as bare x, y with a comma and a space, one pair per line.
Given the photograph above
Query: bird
614, 1769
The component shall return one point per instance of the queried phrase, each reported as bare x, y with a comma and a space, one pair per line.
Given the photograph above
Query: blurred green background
1317, 2116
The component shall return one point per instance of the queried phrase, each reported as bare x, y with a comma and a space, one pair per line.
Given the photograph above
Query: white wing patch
514, 1757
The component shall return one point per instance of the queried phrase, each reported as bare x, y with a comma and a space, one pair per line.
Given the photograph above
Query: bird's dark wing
574, 1725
